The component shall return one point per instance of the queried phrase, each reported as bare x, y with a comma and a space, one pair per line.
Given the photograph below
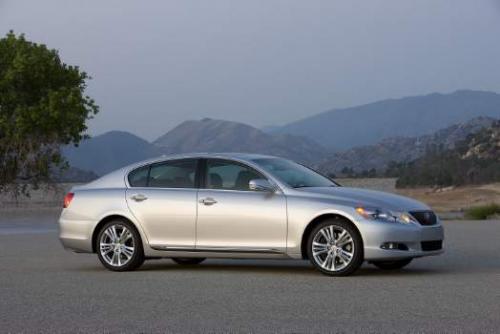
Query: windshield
293, 174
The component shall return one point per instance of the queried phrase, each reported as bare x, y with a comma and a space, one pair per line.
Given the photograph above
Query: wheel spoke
345, 256
125, 235
128, 252
114, 233
325, 235
106, 248
109, 234
343, 239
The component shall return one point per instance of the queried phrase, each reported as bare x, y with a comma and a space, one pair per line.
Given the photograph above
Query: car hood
365, 197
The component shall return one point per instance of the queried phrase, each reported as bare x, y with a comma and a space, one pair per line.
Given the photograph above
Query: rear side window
139, 177
173, 174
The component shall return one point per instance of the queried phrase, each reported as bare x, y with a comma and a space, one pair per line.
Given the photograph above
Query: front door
163, 198
234, 218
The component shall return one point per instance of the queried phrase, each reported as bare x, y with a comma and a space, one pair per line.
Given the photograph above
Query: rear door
163, 198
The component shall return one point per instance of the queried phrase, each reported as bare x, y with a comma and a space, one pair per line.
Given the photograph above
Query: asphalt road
44, 288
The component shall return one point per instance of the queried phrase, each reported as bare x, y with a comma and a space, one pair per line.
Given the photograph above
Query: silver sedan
192, 207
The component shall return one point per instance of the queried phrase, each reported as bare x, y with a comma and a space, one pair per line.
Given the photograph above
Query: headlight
385, 215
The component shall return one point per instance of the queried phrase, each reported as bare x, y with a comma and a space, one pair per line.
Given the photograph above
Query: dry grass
449, 202
456, 199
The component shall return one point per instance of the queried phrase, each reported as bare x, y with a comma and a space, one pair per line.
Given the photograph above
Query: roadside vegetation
475, 160
43, 106
483, 212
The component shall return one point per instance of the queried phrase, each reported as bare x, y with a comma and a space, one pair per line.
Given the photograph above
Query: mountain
399, 149
115, 149
109, 151
73, 174
210, 135
342, 129
475, 160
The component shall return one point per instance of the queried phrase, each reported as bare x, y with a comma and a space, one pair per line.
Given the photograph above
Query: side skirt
218, 250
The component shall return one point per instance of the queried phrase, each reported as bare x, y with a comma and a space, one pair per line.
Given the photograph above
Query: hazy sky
157, 63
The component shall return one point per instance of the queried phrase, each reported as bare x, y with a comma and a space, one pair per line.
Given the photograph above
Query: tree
42, 107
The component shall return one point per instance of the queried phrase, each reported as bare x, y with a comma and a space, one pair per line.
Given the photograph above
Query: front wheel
335, 248
119, 246
391, 265
188, 260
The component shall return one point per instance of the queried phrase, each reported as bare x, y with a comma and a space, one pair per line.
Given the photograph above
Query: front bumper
375, 234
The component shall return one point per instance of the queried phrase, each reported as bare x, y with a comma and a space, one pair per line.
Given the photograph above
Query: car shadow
294, 267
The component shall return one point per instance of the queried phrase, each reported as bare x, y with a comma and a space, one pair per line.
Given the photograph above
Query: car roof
221, 155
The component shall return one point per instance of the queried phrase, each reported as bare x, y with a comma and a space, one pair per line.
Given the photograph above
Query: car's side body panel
242, 220
90, 206
168, 216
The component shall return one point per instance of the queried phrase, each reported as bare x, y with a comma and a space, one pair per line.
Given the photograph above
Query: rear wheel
119, 246
335, 247
188, 260
392, 265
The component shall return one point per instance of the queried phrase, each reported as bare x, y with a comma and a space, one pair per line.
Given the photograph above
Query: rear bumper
412, 236
75, 235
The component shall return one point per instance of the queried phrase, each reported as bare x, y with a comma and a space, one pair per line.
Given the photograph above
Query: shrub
483, 212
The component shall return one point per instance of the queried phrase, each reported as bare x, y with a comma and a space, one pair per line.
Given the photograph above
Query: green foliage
42, 106
474, 161
483, 212
366, 173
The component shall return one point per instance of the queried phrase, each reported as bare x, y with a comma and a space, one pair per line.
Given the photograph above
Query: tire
117, 253
391, 265
336, 249
188, 260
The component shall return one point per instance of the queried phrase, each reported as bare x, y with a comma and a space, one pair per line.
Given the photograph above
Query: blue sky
157, 63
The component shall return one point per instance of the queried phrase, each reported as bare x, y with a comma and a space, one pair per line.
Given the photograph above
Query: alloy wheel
117, 245
333, 248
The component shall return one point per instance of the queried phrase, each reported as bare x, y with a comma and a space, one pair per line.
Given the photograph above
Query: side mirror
260, 185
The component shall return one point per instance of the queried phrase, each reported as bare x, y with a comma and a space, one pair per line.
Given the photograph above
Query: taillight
67, 199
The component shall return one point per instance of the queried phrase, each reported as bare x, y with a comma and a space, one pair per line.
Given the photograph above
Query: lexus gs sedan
196, 206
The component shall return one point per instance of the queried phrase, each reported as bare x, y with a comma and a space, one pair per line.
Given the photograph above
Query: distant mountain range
211, 135
390, 130
115, 149
399, 149
475, 160
109, 151
341, 129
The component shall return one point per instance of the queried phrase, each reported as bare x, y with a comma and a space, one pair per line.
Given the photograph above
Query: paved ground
46, 289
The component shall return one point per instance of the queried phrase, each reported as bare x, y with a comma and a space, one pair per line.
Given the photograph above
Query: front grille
425, 217
432, 245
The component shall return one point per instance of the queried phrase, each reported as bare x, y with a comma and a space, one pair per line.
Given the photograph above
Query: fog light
394, 245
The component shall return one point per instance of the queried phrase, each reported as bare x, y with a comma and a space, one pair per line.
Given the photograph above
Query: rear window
139, 177
169, 174
173, 174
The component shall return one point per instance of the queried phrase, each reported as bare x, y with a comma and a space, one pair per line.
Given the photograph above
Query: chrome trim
216, 249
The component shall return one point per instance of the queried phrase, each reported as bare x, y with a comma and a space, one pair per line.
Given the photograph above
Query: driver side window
228, 175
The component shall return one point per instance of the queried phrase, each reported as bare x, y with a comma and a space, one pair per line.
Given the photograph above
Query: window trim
151, 165
204, 179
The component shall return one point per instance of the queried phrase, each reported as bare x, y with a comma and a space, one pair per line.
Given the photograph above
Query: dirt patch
455, 199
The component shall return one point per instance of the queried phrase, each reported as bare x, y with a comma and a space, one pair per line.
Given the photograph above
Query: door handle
139, 197
208, 201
